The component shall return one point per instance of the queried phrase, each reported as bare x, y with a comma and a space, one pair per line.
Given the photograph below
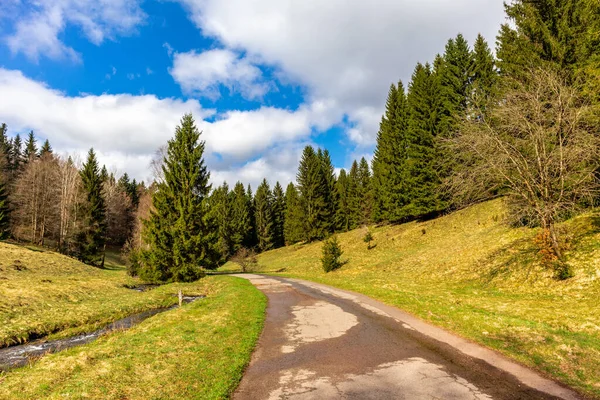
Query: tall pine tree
364, 192
343, 210
31, 150
220, 207
240, 216
293, 228
180, 233
278, 210
422, 181
313, 187
90, 241
389, 159
263, 203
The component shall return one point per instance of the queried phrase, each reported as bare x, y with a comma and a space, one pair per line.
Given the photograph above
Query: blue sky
262, 77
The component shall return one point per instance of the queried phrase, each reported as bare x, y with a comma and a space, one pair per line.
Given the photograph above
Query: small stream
19, 356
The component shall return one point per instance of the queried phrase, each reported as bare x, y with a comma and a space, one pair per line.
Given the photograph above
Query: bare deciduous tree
534, 145
246, 259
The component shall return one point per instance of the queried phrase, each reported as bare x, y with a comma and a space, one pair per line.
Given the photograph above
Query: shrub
246, 259
332, 252
368, 239
548, 257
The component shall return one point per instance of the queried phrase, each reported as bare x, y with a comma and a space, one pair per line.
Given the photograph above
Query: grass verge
198, 351
472, 274
44, 293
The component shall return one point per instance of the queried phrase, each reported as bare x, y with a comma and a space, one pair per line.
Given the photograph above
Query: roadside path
325, 343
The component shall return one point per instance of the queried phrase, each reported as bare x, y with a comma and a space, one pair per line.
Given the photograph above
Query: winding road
324, 343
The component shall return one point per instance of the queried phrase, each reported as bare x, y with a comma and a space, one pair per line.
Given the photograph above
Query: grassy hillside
42, 292
472, 274
198, 351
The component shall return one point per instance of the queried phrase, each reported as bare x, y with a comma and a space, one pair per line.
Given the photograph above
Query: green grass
198, 351
472, 274
44, 293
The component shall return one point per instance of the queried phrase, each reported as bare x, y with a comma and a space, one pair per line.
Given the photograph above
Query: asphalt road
324, 343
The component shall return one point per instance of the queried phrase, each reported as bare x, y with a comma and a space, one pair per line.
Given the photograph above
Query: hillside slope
472, 274
42, 292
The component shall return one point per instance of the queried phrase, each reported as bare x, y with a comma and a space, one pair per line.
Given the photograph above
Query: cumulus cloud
348, 52
40, 23
126, 130
125, 123
203, 73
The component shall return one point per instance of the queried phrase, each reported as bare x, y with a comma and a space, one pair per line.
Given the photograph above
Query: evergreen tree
180, 233
5, 147
354, 200
329, 190
389, 159
134, 193
293, 228
484, 72
312, 185
557, 34
364, 192
46, 149
422, 179
221, 212
343, 211
104, 174
454, 75
240, 216
91, 239
278, 216
4, 212
251, 239
30, 148
263, 202
16, 153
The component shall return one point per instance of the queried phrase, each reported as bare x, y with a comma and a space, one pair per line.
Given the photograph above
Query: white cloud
203, 73
126, 130
40, 23
110, 123
347, 52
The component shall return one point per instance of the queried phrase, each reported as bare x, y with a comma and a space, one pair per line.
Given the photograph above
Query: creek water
20, 355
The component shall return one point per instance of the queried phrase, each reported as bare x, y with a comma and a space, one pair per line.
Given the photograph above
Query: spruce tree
4, 212
453, 76
5, 147
220, 208
364, 192
278, 216
91, 239
312, 185
46, 149
389, 159
263, 203
422, 179
354, 200
104, 176
16, 153
31, 150
329, 190
180, 233
343, 211
562, 35
251, 239
293, 229
240, 216
485, 76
